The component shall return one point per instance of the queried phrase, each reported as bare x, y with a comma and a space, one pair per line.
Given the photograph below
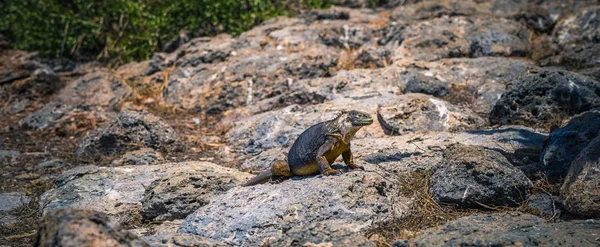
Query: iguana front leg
324, 165
349, 160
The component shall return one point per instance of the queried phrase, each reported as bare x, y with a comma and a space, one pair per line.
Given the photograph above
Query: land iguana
317, 148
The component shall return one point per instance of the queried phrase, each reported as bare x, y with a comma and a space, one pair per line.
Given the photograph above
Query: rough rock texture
564, 144
214, 75
518, 144
180, 239
545, 204
52, 164
300, 211
128, 131
577, 36
76, 227
96, 91
281, 127
8, 155
419, 113
443, 65
420, 83
474, 176
545, 97
126, 193
581, 189
179, 194
503, 229
8, 202
144, 156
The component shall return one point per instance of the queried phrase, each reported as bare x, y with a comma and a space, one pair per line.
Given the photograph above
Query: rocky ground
486, 133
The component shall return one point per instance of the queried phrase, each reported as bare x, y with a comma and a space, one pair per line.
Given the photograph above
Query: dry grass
23, 232
425, 212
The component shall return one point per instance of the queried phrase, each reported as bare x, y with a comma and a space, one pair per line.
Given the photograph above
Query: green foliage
126, 30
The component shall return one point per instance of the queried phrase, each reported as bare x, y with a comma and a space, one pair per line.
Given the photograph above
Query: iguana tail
259, 179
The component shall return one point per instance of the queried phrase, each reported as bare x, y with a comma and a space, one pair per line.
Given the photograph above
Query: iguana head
347, 123
358, 118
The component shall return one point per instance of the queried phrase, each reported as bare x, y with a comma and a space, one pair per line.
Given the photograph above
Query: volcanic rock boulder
8, 202
473, 177
182, 192
545, 204
130, 194
99, 90
581, 189
128, 131
419, 112
546, 97
300, 211
82, 228
144, 156
183, 240
419, 83
505, 229
564, 144
577, 36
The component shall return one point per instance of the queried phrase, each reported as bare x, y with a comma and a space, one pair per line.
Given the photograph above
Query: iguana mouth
363, 122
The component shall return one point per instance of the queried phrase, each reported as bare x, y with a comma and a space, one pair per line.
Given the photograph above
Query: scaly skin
317, 148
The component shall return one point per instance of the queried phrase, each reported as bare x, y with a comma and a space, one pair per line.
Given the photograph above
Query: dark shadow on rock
377, 158
529, 137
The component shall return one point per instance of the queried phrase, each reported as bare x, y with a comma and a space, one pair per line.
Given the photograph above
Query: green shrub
124, 30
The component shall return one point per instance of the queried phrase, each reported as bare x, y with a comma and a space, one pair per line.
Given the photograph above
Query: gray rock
583, 26
19, 106
505, 229
421, 113
99, 90
128, 131
279, 129
579, 57
8, 202
432, 40
184, 191
299, 211
180, 239
51, 164
477, 83
564, 144
351, 3
498, 37
263, 160
577, 36
581, 189
455, 36
259, 73
419, 83
546, 97
168, 227
12, 200
369, 58
144, 156
416, 10
473, 177
121, 192
76, 227
545, 204
8, 155
48, 115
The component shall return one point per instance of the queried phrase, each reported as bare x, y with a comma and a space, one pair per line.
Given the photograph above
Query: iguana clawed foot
276, 180
331, 171
355, 166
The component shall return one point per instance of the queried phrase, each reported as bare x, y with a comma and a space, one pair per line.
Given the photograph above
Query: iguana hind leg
280, 171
